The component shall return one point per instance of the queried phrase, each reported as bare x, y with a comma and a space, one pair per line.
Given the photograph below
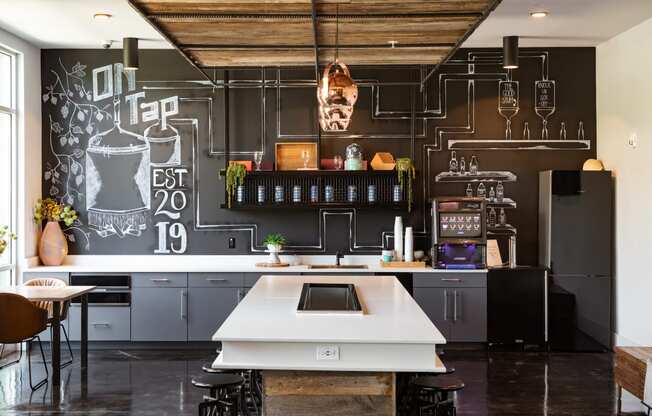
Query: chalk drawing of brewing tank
165, 144
117, 181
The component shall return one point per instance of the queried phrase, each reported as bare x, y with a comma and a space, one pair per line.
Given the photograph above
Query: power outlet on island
328, 352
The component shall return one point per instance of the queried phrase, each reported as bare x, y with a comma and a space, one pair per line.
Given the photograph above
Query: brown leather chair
51, 282
26, 322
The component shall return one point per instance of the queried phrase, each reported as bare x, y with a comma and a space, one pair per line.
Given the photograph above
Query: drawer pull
214, 279
106, 324
450, 280
160, 280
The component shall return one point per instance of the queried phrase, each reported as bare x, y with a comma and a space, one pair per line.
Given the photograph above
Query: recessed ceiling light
102, 16
538, 14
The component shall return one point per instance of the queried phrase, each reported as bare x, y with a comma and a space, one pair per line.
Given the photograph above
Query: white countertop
269, 313
265, 331
216, 264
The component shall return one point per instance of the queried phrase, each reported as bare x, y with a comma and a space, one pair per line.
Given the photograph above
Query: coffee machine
459, 233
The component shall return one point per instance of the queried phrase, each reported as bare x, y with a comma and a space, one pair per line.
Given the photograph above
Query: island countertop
266, 332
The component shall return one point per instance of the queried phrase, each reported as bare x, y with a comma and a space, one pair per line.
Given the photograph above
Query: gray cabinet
433, 301
455, 302
208, 308
105, 323
159, 313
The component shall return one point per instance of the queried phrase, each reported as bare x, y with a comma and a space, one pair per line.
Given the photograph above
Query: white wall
624, 99
29, 140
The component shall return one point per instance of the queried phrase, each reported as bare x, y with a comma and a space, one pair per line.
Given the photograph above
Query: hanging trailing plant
406, 174
235, 175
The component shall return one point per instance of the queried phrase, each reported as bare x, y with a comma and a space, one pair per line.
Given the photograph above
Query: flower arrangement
6, 236
406, 173
235, 175
51, 210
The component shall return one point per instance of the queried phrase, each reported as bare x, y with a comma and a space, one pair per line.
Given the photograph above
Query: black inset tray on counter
329, 298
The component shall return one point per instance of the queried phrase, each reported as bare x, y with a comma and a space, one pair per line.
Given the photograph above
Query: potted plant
274, 243
53, 246
235, 175
406, 174
6, 237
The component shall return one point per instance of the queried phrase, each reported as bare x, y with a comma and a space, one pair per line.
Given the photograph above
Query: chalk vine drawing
77, 119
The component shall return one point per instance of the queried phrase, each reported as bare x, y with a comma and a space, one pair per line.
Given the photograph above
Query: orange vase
53, 247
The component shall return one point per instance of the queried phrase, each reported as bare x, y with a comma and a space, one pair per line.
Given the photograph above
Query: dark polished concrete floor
135, 382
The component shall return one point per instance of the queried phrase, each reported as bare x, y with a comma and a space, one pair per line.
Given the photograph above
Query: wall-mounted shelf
482, 176
506, 203
339, 180
506, 230
502, 144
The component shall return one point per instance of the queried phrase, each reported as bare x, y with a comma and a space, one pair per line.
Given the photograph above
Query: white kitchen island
320, 359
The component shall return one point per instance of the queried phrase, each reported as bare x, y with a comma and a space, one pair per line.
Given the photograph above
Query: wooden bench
630, 365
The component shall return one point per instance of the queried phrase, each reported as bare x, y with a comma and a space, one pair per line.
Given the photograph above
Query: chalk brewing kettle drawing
118, 179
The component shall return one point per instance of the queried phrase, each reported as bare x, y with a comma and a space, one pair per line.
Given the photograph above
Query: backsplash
146, 181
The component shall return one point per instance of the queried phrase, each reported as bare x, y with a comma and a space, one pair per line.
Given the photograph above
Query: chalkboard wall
138, 156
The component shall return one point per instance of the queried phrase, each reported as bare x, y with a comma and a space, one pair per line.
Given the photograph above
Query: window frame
12, 112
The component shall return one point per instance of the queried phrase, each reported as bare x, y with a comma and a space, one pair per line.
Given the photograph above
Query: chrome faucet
338, 256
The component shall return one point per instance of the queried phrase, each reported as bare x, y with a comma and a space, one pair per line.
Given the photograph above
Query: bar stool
432, 394
226, 394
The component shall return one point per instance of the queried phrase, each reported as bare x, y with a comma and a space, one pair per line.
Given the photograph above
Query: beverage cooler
576, 247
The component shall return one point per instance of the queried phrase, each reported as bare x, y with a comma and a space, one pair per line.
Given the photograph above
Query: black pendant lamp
130, 53
510, 52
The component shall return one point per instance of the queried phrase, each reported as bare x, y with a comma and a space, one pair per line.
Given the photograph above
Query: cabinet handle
215, 280
444, 279
184, 297
160, 280
455, 306
106, 324
445, 305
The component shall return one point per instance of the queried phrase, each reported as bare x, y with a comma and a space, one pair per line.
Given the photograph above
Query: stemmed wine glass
305, 156
258, 159
337, 162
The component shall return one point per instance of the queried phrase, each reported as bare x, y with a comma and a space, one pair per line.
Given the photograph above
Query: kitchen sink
335, 266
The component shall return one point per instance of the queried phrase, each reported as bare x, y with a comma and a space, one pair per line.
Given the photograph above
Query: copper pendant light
337, 93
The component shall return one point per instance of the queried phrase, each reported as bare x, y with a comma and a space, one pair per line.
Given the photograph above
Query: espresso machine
459, 233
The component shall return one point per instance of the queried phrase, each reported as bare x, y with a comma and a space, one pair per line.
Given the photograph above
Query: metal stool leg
20, 356
29, 363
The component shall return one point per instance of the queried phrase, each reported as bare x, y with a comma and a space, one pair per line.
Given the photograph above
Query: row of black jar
314, 194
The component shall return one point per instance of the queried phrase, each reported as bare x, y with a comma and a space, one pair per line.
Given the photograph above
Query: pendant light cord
337, 30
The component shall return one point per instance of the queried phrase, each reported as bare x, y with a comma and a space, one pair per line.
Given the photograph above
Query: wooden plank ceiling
246, 33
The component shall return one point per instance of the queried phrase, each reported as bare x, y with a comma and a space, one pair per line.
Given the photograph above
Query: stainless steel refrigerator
576, 246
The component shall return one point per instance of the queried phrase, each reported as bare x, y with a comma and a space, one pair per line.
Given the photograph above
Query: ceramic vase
398, 238
53, 247
273, 251
409, 244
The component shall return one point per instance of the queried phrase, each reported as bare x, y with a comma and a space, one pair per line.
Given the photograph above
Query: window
7, 161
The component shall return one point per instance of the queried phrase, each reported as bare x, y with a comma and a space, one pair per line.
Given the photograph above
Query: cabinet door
435, 302
159, 314
208, 308
469, 314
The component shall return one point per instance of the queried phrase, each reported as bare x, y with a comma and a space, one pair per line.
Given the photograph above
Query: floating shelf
507, 203
503, 144
506, 230
481, 176
340, 180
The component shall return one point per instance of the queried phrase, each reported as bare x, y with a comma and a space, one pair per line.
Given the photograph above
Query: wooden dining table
58, 295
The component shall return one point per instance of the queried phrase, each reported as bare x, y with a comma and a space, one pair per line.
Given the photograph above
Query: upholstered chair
26, 322
50, 282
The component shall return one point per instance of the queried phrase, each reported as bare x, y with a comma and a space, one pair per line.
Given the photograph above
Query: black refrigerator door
579, 313
581, 228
